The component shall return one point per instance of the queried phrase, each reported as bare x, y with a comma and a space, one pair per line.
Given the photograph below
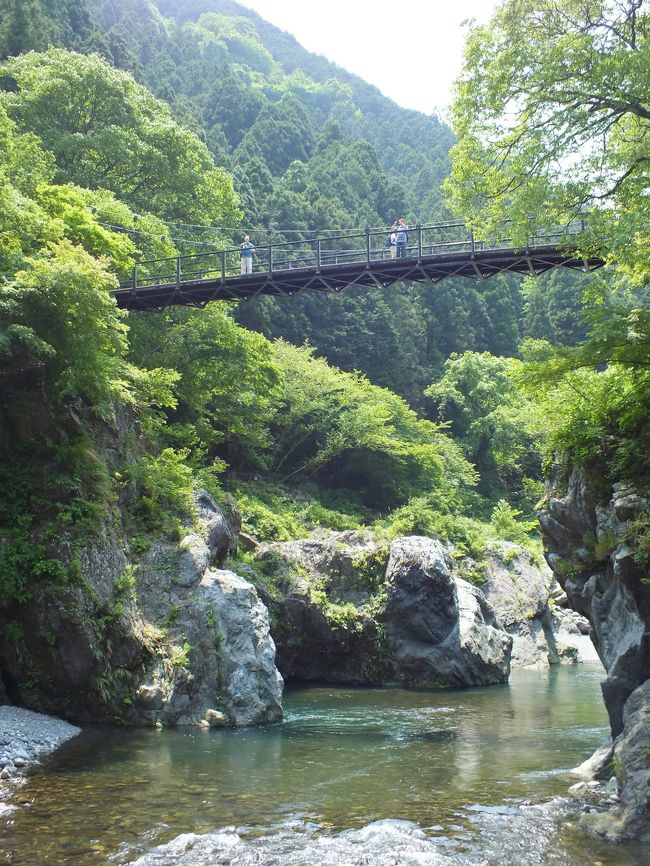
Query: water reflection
343, 758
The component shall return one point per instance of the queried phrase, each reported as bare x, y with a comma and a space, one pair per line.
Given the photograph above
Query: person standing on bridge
246, 250
392, 240
401, 237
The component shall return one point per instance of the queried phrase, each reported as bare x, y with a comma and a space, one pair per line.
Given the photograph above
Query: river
387, 777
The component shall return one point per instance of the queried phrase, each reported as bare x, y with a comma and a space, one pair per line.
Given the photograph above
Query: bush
166, 487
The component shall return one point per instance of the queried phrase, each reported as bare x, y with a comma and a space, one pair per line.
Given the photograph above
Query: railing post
270, 259
223, 266
368, 244
134, 277
471, 241
178, 272
419, 228
318, 253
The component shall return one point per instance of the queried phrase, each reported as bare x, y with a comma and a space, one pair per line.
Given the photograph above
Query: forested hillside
312, 148
131, 135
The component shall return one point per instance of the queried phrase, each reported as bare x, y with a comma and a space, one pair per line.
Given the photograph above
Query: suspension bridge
331, 263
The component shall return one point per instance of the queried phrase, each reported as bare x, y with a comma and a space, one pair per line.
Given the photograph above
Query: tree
27, 25
226, 380
552, 114
107, 131
498, 428
355, 435
60, 329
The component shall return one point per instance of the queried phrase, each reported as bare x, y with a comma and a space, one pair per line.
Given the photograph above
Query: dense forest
132, 130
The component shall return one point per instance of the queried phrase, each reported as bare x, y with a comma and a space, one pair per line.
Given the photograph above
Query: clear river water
387, 777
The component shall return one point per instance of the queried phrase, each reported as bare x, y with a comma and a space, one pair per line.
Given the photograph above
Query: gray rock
216, 719
29, 736
150, 696
252, 685
516, 587
347, 567
607, 587
631, 751
194, 560
525, 596
222, 526
441, 630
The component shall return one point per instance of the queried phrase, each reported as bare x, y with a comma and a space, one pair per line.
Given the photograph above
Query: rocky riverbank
593, 548
26, 737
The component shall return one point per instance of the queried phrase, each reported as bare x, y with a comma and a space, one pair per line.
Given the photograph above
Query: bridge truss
330, 264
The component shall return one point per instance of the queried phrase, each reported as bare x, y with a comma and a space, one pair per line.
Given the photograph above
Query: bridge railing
323, 250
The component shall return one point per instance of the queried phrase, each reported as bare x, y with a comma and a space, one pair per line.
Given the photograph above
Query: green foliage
568, 84
126, 582
344, 617
52, 499
359, 436
266, 515
423, 516
541, 91
75, 209
597, 418
224, 380
165, 484
499, 428
637, 535
370, 568
180, 656
37, 24
59, 324
272, 511
104, 129
506, 526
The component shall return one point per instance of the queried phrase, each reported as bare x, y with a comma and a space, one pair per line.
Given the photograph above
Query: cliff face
593, 551
165, 637
348, 607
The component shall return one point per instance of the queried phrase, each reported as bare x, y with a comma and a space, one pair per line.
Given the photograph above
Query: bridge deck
289, 268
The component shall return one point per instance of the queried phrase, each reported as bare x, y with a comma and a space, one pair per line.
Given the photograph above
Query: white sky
411, 50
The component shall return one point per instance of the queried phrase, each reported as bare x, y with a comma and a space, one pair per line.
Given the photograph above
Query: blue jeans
401, 251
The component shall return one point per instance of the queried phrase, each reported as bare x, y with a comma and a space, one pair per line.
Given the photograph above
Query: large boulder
529, 605
251, 683
320, 592
347, 608
441, 630
146, 638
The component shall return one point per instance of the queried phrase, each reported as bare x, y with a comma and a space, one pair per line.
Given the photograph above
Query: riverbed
352, 776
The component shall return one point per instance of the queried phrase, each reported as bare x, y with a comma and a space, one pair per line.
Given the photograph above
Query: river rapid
387, 777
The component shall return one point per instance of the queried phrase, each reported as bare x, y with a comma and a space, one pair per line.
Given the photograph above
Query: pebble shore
25, 737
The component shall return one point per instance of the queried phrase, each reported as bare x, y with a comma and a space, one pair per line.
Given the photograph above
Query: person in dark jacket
401, 237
